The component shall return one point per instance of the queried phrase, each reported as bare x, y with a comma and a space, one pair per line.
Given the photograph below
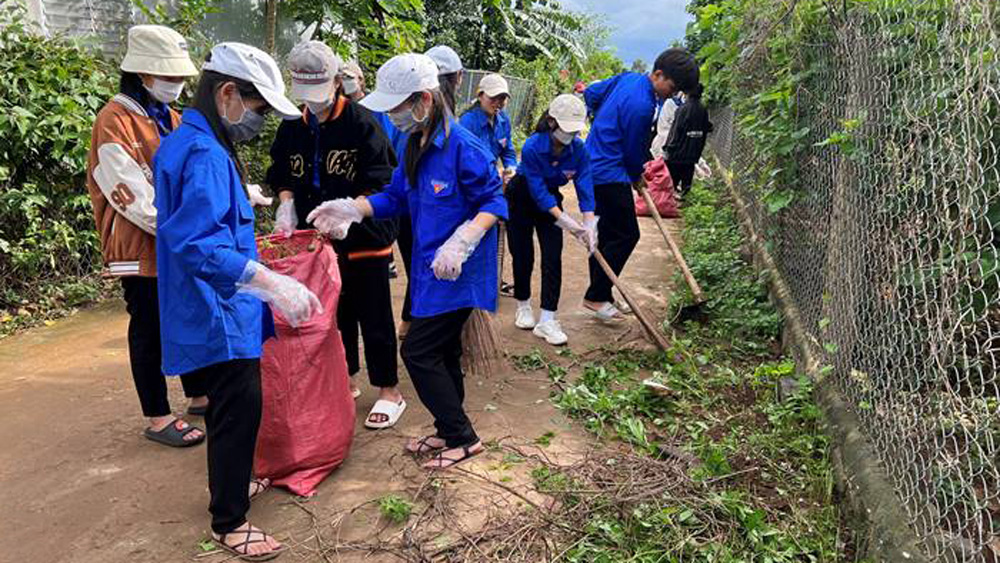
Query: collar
338, 108
545, 146
130, 104
195, 119
441, 135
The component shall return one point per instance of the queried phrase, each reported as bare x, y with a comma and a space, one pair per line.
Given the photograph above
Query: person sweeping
126, 135
550, 159
449, 187
623, 107
336, 149
210, 284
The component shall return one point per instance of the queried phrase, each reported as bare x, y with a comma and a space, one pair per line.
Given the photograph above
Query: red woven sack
661, 189
308, 418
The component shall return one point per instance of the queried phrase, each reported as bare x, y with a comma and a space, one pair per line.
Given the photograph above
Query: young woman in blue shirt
448, 186
550, 159
210, 284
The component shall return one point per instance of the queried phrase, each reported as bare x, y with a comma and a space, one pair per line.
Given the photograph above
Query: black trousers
618, 233
232, 421
682, 174
432, 352
366, 303
405, 242
525, 219
144, 352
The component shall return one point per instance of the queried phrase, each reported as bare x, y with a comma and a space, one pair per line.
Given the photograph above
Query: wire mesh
889, 246
521, 95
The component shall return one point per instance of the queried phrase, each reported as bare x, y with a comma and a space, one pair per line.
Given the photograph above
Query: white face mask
405, 121
350, 86
562, 137
317, 108
163, 91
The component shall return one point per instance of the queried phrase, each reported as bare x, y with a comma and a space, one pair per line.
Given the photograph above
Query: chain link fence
889, 245
521, 96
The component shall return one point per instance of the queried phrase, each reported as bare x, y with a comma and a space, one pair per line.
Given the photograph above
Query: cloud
640, 28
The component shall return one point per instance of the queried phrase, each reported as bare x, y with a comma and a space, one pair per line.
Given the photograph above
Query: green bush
50, 92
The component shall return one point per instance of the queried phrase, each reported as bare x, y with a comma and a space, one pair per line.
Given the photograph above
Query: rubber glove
285, 219
335, 217
292, 299
590, 223
448, 259
256, 196
571, 226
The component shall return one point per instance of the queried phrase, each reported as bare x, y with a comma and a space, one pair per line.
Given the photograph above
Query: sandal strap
243, 547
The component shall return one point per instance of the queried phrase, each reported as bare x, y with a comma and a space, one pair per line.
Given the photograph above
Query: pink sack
661, 189
308, 419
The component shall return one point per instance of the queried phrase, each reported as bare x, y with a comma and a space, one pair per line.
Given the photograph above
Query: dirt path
79, 484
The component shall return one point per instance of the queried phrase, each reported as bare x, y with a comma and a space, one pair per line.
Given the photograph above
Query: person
488, 121
450, 73
664, 123
336, 149
446, 182
211, 285
126, 134
622, 108
550, 159
686, 143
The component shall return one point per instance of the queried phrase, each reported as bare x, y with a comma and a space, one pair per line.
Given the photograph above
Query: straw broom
482, 350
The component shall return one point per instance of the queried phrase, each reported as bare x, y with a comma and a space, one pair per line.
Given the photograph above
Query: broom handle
654, 334
699, 297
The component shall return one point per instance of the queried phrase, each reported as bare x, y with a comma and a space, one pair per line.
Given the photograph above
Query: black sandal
173, 434
423, 447
439, 458
259, 487
240, 550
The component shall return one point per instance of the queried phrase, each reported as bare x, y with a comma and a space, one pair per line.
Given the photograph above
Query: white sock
523, 305
546, 316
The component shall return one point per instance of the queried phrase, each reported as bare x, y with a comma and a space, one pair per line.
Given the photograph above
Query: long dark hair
543, 125
414, 149
130, 84
449, 89
204, 102
695, 92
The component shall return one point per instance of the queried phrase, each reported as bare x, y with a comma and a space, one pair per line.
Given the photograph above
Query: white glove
702, 170
448, 259
256, 196
590, 223
292, 299
285, 219
571, 226
335, 217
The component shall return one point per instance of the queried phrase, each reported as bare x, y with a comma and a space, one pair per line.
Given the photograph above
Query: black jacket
688, 134
355, 158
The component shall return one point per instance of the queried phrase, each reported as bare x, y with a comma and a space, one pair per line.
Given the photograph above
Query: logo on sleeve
122, 196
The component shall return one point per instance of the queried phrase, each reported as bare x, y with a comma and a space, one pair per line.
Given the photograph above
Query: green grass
395, 509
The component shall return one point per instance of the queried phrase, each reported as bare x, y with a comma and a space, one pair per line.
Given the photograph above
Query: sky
640, 28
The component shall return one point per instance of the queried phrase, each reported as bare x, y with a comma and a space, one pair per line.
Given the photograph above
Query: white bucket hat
157, 50
569, 112
314, 69
493, 85
257, 67
399, 78
445, 58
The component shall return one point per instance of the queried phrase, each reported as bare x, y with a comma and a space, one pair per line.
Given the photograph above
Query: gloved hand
448, 259
590, 223
292, 299
285, 218
570, 225
335, 217
256, 196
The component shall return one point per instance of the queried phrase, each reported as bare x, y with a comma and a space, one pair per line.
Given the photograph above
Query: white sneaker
525, 318
551, 332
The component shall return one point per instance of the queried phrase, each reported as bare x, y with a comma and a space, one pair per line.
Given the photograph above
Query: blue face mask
246, 127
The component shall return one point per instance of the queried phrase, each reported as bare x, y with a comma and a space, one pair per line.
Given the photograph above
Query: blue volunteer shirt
495, 136
396, 137
547, 173
456, 180
623, 107
204, 238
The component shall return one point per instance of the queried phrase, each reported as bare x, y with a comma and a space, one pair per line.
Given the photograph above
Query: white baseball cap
493, 85
257, 67
154, 49
399, 78
314, 68
351, 69
569, 112
445, 58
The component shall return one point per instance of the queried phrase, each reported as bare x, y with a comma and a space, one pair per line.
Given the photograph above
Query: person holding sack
550, 159
210, 283
449, 187
334, 150
126, 135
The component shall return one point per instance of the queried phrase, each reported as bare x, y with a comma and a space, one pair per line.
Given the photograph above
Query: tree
640, 66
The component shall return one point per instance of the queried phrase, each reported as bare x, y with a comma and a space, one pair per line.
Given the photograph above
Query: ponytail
414, 149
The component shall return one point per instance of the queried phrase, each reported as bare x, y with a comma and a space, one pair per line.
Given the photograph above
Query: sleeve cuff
382, 206
496, 207
228, 268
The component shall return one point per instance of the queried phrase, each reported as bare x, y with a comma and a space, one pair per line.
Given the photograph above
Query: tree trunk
271, 21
